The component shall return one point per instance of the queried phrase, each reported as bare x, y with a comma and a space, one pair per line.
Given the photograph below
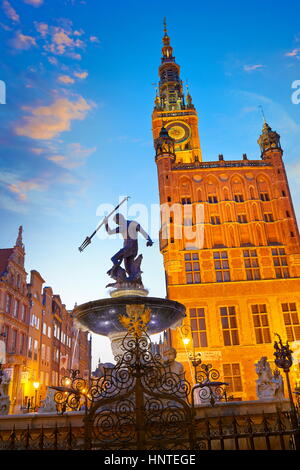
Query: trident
88, 240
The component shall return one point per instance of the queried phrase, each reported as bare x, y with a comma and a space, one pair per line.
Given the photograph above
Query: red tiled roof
5, 253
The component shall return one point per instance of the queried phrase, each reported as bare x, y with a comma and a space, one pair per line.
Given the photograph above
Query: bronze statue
129, 230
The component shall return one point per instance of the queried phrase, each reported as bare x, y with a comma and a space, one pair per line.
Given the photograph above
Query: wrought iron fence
142, 405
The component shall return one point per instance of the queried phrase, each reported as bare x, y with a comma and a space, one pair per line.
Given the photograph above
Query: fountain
129, 308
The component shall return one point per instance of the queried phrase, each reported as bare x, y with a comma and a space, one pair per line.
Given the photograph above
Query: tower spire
19, 241
167, 50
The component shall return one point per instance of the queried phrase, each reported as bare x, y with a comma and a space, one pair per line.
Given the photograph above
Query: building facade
229, 240
39, 342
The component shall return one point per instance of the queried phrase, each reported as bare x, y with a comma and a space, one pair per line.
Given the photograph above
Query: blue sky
76, 126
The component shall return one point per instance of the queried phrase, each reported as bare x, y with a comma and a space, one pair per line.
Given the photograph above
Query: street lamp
205, 378
284, 360
35, 386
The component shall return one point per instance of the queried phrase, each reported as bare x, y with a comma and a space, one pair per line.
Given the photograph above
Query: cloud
61, 40
292, 53
81, 75
42, 28
53, 60
10, 11
94, 39
34, 3
251, 68
20, 187
5, 27
74, 156
66, 79
23, 187
46, 122
23, 42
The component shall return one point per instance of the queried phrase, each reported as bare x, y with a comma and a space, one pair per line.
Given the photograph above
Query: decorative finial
165, 25
19, 241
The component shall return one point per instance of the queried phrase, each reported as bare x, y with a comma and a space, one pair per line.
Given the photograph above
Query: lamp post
284, 360
205, 378
36, 387
195, 359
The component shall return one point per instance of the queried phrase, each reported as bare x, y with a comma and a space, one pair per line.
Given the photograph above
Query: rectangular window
8, 303
198, 327
229, 326
30, 346
215, 220
251, 265
192, 268
49, 331
44, 329
221, 266
35, 350
16, 308
261, 323
268, 217
23, 312
242, 219
186, 200
280, 263
14, 338
5, 331
21, 346
232, 375
43, 352
264, 197
239, 198
212, 199
291, 321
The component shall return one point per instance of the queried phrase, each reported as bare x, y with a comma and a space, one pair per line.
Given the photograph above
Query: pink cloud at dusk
23, 187
34, 3
61, 40
75, 155
66, 79
293, 53
94, 39
250, 68
10, 11
22, 41
46, 122
42, 28
81, 75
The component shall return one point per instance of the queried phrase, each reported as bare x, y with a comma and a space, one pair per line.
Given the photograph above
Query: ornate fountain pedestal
128, 309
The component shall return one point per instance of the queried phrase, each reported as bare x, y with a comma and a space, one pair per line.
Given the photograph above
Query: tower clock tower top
268, 140
174, 110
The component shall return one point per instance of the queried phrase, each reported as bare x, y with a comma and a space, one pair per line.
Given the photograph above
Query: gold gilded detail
136, 320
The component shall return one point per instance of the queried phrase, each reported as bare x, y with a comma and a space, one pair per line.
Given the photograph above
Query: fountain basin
102, 316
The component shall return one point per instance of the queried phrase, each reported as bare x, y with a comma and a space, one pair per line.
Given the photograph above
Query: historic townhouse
39, 342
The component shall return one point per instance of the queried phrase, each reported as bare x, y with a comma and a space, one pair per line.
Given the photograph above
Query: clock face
179, 131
